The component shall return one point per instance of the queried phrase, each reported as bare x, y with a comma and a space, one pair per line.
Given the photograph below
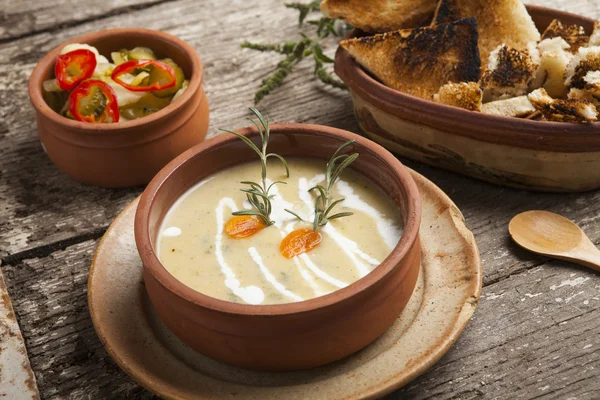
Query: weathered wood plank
50, 300
17, 380
21, 18
535, 333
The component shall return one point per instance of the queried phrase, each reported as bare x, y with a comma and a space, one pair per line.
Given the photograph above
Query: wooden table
536, 332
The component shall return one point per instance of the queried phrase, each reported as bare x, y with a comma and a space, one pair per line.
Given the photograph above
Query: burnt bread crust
574, 35
568, 110
499, 22
425, 47
509, 73
419, 61
446, 12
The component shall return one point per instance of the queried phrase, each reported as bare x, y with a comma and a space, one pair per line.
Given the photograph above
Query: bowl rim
397, 255
37, 77
515, 132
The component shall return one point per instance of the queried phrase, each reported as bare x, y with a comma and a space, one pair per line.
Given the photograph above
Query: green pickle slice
147, 105
141, 53
94, 104
120, 57
156, 75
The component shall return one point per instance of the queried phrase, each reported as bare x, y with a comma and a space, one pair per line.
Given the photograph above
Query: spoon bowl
553, 235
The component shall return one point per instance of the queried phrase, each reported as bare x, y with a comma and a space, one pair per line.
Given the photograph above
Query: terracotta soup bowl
286, 336
125, 153
541, 155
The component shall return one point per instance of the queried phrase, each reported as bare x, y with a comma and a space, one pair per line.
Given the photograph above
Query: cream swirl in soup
193, 247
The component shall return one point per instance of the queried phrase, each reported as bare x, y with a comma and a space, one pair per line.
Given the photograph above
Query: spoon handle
588, 256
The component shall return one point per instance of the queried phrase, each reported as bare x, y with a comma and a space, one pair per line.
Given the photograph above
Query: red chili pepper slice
162, 75
94, 101
74, 67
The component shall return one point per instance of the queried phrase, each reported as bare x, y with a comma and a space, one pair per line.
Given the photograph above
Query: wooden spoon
550, 234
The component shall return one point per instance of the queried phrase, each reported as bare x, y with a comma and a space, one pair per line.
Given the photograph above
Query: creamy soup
194, 248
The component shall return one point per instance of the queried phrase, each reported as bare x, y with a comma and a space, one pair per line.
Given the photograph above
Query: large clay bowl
287, 336
540, 155
125, 153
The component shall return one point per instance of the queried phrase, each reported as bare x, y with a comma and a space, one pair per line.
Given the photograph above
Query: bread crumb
555, 58
585, 94
587, 59
570, 110
574, 35
513, 107
467, 95
509, 72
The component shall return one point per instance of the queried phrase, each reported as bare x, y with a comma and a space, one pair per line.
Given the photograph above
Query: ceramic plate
442, 304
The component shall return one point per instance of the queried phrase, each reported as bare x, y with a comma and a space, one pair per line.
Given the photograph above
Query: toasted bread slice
592, 97
570, 110
574, 35
580, 94
554, 59
595, 37
586, 60
499, 22
514, 107
509, 73
376, 16
467, 95
419, 61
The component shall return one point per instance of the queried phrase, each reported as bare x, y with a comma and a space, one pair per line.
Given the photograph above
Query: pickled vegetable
141, 53
120, 57
180, 91
51, 85
88, 87
179, 78
74, 67
94, 101
161, 75
147, 105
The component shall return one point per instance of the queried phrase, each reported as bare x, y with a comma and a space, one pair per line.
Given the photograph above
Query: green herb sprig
323, 203
296, 51
304, 8
257, 193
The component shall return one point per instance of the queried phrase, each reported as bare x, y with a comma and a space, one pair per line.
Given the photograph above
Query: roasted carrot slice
299, 241
243, 226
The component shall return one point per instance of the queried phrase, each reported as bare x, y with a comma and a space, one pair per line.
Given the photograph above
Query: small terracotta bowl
288, 336
125, 153
541, 155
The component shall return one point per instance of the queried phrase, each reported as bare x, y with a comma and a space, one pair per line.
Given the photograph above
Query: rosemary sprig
325, 26
286, 47
296, 51
256, 193
323, 203
304, 8
321, 72
284, 67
